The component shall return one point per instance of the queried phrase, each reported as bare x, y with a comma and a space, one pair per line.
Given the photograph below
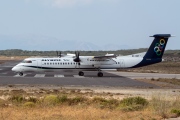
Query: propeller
77, 59
59, 54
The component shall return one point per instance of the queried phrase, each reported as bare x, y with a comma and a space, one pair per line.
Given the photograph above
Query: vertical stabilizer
156, 50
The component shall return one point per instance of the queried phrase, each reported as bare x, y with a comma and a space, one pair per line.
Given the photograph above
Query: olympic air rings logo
159, 47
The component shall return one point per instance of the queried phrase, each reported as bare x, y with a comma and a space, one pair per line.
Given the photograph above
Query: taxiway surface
110, 79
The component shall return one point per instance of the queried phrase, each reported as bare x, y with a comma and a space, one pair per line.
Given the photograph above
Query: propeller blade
78, 54
60, 55
57, 53
77, 59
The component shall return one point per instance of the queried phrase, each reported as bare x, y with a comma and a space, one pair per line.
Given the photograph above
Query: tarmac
110, 79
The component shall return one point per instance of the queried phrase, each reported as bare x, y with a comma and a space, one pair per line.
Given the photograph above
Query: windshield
26, 61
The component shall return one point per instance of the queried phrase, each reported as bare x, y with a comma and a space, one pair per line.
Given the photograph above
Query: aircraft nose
14, 69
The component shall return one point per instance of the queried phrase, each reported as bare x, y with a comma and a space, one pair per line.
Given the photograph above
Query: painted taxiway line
77, 76
58, 76
39, 75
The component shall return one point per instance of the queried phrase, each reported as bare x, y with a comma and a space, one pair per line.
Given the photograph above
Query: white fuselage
97, 63
88, 63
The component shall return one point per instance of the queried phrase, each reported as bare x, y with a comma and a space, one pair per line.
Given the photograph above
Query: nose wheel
20, 74
81, 73
100, 74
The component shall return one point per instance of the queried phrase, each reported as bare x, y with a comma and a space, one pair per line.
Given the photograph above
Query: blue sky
101, 22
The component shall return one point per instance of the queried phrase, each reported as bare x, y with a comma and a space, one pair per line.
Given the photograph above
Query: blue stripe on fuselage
146, 62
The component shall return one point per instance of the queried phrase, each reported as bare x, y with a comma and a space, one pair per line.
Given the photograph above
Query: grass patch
160, 105
29, 104
33, 99
51, 100
77, 100
176, 111
133, 104
105, 103
62, 98
165, 106
17, 98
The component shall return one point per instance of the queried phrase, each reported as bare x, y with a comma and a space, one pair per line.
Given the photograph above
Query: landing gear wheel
20, 74
81, 73
100, 74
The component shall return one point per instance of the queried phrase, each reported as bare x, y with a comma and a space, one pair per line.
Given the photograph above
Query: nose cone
15, 69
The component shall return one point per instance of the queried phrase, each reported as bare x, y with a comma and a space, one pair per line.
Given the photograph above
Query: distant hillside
18, 52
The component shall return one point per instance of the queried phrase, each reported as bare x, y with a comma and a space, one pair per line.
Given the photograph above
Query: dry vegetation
72, 104
72, 113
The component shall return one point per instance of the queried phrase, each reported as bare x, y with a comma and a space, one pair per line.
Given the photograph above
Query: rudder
156, 50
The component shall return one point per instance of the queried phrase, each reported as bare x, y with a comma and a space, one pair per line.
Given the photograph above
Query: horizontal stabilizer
162, 35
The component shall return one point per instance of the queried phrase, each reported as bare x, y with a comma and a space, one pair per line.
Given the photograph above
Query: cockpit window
26, 61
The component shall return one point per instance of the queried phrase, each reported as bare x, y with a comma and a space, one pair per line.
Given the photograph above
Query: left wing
107, 56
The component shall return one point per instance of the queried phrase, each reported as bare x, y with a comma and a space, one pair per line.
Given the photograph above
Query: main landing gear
81, 73
100, 74
20, 73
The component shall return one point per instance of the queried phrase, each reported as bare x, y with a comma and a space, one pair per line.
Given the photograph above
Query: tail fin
156, 50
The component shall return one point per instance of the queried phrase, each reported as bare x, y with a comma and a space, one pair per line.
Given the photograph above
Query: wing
107, 56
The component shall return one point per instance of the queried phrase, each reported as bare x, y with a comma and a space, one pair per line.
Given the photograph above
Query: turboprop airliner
95, 63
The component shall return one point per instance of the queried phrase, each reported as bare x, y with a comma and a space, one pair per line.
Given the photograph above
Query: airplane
95, 63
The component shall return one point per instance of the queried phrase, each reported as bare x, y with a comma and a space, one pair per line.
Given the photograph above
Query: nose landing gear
20, 73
